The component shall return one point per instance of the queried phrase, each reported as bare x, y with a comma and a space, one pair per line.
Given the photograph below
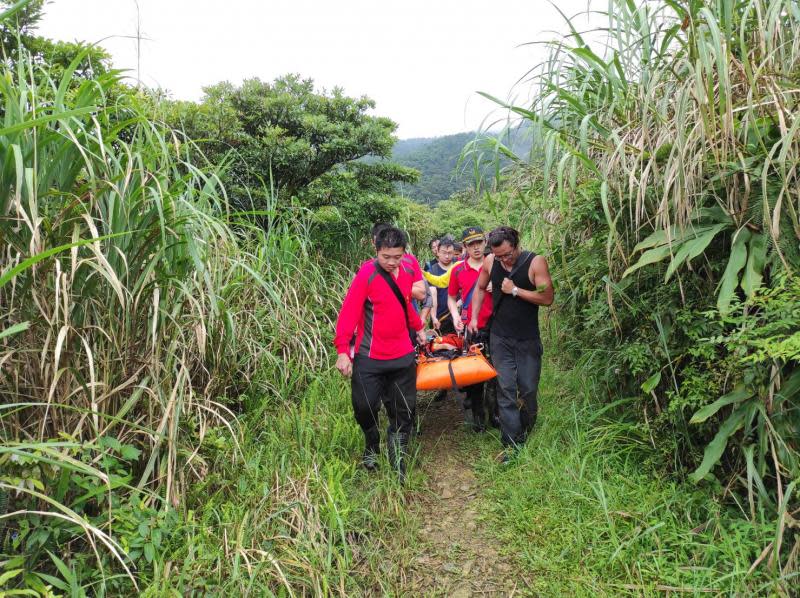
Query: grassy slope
585, 515
294, 513
580, 511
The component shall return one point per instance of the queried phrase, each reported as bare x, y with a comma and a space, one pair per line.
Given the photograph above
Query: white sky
421, 60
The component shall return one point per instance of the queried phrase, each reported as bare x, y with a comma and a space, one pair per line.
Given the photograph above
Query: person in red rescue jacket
374, 345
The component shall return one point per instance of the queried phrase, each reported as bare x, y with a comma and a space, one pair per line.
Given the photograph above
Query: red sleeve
412, 261
352, 310
414, 321
452, 288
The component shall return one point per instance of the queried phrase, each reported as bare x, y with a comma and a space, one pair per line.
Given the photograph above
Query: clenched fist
508, 286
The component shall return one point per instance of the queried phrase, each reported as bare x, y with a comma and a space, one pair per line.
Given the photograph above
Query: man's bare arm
452, 306
539, 275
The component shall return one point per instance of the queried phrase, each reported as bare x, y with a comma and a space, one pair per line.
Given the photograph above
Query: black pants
475, 397
393, 382
475, 393
518, 363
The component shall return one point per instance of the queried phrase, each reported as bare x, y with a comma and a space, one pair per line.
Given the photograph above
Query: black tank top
514, 317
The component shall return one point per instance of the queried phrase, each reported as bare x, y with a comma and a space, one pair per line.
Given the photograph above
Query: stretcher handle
466, 345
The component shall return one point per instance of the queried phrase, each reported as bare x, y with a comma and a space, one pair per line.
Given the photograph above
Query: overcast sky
421, 60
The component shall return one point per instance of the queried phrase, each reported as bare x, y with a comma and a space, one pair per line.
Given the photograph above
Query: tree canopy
288, 140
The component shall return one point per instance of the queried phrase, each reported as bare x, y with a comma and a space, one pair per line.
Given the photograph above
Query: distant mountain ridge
437, 160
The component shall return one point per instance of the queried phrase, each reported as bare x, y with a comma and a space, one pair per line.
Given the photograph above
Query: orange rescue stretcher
443, 364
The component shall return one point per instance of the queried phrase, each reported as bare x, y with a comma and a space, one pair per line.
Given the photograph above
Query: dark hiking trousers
518, 363
475, 398
392, 382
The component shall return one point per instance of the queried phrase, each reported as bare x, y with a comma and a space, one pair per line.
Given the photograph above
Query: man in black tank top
521, 283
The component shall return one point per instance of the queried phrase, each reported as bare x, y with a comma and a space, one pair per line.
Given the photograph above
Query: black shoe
494, 421
372, 444
478, 423
370, 460
440, 396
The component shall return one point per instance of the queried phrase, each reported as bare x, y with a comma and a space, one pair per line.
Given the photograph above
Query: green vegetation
673, 233
437, 160
288, 141
443, 172
171, 424
587, 512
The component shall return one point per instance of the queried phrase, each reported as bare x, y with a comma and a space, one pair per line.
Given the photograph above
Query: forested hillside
436, 159
443, 167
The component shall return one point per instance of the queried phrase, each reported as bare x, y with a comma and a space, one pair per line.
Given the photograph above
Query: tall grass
132, 304
585, 511
669, 150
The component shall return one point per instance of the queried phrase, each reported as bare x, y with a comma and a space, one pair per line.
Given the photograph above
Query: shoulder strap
523, 259
395, 289
468, 296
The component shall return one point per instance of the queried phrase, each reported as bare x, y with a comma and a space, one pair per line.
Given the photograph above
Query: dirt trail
456, 556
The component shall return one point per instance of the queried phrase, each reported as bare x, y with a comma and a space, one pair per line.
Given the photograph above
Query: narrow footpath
456, 556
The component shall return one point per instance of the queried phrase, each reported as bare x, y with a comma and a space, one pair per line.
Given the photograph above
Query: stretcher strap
452, 375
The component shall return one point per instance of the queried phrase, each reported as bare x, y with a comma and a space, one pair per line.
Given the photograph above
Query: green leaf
149, 552
692, 248
65, 571
43, 120
754, 270
736, 261
650, 384
129, 453
35, 259
660, 237
15, 329
649, 257
13, 9
53, 581
790, 386
737, 395
156, 535
8, 575
144, 530
111, 442
716, 447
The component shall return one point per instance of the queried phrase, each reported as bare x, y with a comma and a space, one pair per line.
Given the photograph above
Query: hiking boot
370, 460
478, 424
478, 418
372, 442
504, 458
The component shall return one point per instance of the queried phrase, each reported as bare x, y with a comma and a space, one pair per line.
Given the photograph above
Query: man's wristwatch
514, 291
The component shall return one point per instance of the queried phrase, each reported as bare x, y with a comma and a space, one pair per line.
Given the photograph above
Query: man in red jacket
375, 350
463, 279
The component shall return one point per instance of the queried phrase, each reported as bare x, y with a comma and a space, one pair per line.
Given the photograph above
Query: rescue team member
377, 315
420, 290
433, 244
463, 281
521, 283
441, 320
